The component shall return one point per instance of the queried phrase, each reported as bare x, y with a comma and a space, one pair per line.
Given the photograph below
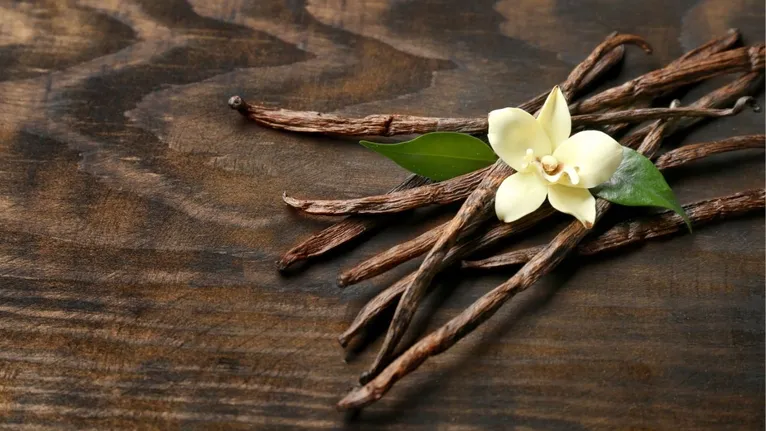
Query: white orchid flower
548, 162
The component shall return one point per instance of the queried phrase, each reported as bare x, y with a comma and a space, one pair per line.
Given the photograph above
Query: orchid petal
554, 117
594, 155
519, 195
512, 132
574, 201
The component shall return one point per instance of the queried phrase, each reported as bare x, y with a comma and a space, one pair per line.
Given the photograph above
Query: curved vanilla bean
746, 59
474, 211
746, 84
641, 229
487, 305
395, 124
342, 232
646, 114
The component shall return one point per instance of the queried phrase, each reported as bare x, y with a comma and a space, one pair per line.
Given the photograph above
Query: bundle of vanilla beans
474, 228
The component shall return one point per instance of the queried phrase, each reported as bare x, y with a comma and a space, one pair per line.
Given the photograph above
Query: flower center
551, 169
549, 164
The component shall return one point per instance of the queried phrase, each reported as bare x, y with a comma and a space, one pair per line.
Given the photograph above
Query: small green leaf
438, 155
637, 182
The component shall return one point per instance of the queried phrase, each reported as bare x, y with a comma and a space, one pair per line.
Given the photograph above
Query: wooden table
141, 219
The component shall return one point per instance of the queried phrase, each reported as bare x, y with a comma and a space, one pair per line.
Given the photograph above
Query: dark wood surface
141, 218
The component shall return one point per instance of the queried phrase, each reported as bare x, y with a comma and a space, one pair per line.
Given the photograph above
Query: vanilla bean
342, 232
395, 124
746, 84
391, 124
474, 211
446, 336
686, 71
502, 231
688, 153
392, 257
744, 59
441, 193
641, 229
646, 114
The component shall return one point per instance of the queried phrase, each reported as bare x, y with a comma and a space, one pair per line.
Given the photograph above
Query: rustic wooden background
140, 219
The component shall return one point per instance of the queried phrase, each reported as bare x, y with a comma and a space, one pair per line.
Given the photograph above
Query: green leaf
637, 182
438, 155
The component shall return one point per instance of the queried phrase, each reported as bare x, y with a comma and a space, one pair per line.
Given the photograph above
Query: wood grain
140, 220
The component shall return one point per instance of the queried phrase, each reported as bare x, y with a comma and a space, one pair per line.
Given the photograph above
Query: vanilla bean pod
688, 153
746, 84
742, 59
343, 231
441, 193
641, 229
395, 124
502, 231
646, 114
474, 212
746, 59
481, 310
314, 122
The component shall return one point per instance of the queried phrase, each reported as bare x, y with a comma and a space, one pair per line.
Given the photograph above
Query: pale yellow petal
512, 131
554, 117
519, 195
574, 201
593, 154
